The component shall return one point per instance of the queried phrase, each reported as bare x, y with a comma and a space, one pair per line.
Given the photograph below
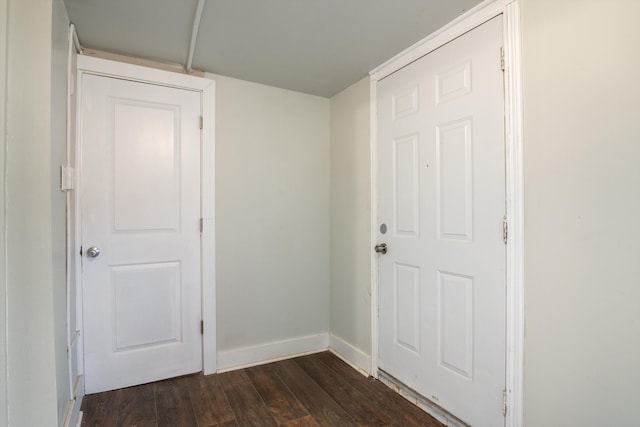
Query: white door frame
510, 10
108, 68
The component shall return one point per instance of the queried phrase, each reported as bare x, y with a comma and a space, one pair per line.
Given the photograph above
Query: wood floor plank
171, 383
307, 421
316, 390
282, 403
246, 403
173, 404
354, 402
398, 408
319, 404
137, 406
210, 406
100, 409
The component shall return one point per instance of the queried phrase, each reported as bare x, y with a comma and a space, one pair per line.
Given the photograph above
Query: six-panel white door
441, 192
140, 208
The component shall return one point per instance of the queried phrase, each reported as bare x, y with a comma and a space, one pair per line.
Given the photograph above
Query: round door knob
93, 252
381, 248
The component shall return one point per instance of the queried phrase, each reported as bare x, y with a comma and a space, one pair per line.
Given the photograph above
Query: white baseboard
350, 354
74, 416
271, 352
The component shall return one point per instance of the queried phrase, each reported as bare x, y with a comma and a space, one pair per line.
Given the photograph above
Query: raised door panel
146, 166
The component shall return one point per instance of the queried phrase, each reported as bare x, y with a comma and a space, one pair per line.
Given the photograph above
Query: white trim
515, 215
373, 96
104, 67
76, 42
72, 336
351, 355
77, 235
74, 415
510, 9
272, 352
109, 68
208, 266
208, 249
462, 24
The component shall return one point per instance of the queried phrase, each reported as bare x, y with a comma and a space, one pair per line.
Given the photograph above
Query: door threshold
433, 409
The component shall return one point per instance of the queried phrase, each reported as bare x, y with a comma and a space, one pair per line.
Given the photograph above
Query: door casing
108, 68
514, 158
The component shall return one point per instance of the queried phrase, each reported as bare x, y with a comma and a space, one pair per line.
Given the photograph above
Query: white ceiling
313, 46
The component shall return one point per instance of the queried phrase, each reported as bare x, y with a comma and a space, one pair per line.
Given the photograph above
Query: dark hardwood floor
314, 390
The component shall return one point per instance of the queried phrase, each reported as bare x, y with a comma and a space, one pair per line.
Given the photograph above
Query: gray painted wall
350, 217
3, 299
582, 145
35, 213
31, 382
272, 214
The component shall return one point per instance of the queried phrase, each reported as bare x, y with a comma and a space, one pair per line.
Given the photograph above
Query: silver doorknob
381, 248
93, 252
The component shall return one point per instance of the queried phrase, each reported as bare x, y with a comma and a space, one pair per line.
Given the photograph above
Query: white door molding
104, 67
510, 9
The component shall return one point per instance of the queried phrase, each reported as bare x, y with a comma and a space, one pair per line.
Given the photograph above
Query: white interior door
441, 192
140, 194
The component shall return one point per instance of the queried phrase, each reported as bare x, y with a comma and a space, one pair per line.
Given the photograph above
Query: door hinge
502, 58
201, 225
202, 327
66, 178
504, 402
505, 229
201, 122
